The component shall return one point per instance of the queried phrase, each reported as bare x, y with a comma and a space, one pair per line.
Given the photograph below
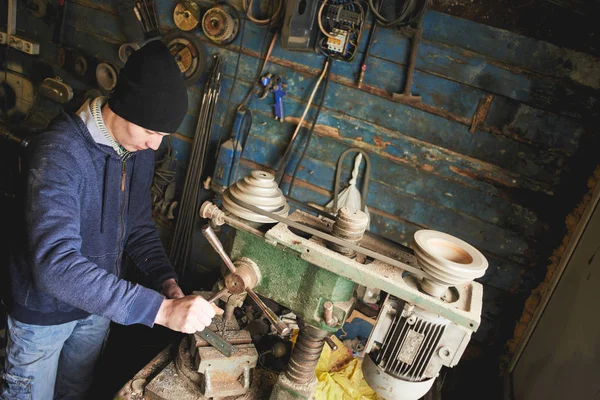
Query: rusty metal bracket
481, 112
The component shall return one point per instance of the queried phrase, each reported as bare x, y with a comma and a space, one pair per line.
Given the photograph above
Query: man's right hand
187, 314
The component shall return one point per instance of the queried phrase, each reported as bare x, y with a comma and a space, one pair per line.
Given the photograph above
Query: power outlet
24, 45
2, 38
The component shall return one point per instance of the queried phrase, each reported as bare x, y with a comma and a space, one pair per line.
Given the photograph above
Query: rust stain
319, 128
182, 137
379, 142
481, 112
532, 303
456, 60
487, 179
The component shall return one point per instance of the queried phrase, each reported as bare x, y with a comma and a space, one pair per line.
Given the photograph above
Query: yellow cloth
340, 376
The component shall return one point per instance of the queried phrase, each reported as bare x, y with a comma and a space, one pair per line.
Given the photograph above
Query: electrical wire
353, 30
288, 150
319, 20
243, 105
410, 11
235, 74
312, 128
273, 18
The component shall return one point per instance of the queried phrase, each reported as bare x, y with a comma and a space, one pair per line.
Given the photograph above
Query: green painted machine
315, 266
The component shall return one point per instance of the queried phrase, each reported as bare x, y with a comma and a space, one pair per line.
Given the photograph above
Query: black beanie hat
151, 90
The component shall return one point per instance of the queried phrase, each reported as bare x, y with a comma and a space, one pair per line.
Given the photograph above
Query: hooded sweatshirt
85, 207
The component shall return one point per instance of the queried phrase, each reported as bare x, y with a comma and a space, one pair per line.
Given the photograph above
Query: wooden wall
505, 188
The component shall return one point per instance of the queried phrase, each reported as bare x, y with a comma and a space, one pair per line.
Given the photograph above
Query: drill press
312, 266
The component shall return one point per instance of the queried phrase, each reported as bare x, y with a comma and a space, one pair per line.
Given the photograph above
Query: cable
273, 18
288, 150
243, 107
235, 74
406, 16
312, 129
323, 31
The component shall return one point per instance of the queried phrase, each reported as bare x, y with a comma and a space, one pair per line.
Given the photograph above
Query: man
88, 204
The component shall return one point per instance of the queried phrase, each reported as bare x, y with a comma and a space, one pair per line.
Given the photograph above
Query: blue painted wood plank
511, 48
409, 178
518, 157
94, 21
437, 132
451, 96
471, 69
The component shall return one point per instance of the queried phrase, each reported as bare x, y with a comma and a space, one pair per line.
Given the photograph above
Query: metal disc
186, 15
106, 76
220, 24
189, 53
126, 50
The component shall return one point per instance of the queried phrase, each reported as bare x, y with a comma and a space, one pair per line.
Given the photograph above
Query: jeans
55, 361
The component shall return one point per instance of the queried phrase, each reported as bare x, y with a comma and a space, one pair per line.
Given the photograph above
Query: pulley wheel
186, 15
126, 49
106, 76
220, 24
81, 65
189, 53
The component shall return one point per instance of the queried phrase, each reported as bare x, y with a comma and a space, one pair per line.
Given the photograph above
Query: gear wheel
220, 24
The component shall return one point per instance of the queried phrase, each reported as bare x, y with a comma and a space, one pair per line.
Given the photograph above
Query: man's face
133, 137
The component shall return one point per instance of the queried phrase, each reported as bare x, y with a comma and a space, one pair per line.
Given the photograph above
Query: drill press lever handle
216, 244
281, 327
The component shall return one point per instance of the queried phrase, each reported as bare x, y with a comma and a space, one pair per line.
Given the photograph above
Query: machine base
285, 389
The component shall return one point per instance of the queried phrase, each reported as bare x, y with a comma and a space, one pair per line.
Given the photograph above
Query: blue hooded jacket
85, 207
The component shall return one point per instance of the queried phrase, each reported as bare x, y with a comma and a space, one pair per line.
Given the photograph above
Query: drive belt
330, 238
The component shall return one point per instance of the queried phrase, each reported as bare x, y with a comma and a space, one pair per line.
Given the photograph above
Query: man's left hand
171, 290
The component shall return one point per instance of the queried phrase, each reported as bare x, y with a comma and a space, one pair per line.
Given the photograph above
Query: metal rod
281, 327
216, 244
217, 295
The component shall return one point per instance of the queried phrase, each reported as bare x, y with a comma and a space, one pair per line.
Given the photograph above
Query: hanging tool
363, 64
274, 84
288, 151
407, 96
231, 151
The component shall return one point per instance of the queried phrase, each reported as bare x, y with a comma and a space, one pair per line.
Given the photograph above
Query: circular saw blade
186, 15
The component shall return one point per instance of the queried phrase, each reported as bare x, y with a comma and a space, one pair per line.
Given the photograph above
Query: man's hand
187, 314
171, 290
